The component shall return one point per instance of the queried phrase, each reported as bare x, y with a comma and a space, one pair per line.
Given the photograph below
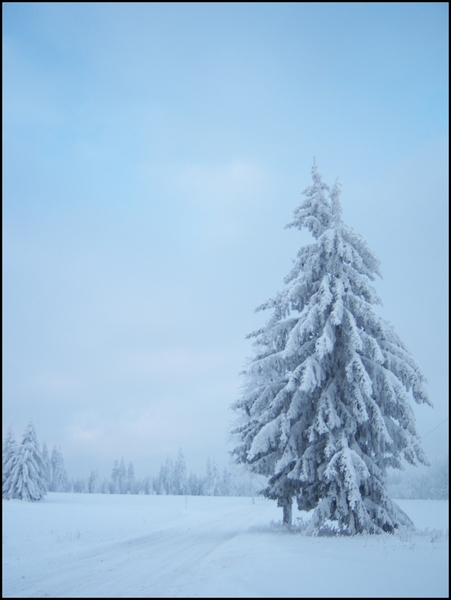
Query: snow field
97, 545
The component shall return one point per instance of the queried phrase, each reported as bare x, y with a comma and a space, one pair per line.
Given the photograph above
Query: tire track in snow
157, 564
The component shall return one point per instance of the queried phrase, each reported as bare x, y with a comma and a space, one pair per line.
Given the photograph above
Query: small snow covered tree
79, 486
114, 487
8, 450
25, 470
212, 480
131, 483
93, 482
122, 477
105, 486
326, 402
59, 478
226, 484
180, 486
194, 485
47, 465
165, 482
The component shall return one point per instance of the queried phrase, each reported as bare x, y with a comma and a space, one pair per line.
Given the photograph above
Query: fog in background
152, 155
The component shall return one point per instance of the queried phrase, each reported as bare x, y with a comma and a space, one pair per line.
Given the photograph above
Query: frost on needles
326, 403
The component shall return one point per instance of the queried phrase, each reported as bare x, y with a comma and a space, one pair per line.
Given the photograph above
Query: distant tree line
29, 472
427, 483
172, 479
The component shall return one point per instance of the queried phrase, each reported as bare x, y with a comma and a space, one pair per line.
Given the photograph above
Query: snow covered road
94, 545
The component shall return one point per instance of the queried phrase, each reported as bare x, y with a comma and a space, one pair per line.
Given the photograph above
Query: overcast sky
152, 155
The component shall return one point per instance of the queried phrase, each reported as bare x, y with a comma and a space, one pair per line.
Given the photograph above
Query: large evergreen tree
326, 402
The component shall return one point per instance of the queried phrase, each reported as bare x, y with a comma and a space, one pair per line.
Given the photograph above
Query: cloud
210, 187
47, 385
87, 436
219, 198
226, 185
189, 363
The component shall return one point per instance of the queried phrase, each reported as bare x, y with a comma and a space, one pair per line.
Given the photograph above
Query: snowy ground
95, 545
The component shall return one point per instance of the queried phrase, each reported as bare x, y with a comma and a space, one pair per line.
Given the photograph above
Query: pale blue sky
152, 154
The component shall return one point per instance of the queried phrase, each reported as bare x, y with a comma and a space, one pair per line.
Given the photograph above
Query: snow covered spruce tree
25, 470
326, 402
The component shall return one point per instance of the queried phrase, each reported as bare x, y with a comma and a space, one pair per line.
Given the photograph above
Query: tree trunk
287, 513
